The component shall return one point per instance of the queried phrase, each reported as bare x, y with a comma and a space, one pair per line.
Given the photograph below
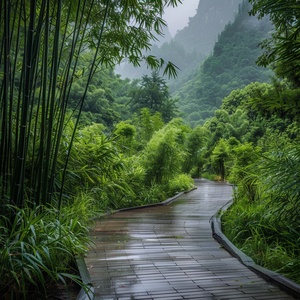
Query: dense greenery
52, 60
263, 158
77, 141
153, 93
282, 49
263, 162
231, 66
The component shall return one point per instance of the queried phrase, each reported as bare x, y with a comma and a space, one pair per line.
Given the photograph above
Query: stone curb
282, 282
88, 294
166, 202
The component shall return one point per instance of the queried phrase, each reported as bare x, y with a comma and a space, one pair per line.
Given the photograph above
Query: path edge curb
86, 293
282, 282
166, 202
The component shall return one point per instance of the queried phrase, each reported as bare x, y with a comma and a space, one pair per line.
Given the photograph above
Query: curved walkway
168, 252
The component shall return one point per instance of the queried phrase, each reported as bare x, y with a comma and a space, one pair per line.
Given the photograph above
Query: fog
178, 17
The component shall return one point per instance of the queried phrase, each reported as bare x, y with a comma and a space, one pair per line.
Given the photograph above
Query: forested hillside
203, 29
232, 65
192, 44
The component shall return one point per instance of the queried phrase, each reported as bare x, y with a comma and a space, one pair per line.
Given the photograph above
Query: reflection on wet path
167, 252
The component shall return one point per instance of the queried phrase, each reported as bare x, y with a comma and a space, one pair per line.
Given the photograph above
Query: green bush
180, 183
255, 228
163, 156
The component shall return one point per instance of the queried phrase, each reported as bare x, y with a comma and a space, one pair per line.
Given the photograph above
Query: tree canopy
153, 93
282, 50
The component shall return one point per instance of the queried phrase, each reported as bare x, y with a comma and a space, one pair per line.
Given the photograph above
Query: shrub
181, 182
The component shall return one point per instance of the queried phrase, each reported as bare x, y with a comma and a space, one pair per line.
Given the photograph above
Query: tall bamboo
41, 42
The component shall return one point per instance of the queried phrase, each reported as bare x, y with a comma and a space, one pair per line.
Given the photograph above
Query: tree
282, 50
219, 156
153, 93
195, 143
163, 156
125, 134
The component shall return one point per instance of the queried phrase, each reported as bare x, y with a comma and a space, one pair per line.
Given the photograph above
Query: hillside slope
203, 29
192, 44
231, 66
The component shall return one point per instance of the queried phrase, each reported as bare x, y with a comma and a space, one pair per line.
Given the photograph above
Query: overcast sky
178, 17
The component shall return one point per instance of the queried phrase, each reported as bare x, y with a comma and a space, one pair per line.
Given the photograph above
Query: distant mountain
230, 66
203, 29
192, 44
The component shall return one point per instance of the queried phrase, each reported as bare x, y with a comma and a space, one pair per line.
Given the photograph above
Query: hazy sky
178, 17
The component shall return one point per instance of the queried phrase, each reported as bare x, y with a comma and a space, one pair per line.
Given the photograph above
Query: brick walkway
167, 252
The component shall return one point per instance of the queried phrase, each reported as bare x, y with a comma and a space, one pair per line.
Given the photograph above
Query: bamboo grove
42, 42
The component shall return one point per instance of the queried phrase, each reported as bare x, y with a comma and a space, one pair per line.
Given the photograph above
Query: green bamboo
4, 154
68, 78
38, 165
32, 121
17, 188
92, 70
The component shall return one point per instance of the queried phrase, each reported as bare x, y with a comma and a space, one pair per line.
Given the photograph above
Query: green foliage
126, 134
282, 49
147, 125
219, 156
279, 175
134, 177
96, 165
46, 70
259, 124
37, 248
244, 155
231, 66
153, 93
194, 147
255, 229
163, 156
181, 182
265, 212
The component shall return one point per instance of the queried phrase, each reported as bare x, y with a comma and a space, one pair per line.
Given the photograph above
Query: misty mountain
192, 44
203, 29
231, 65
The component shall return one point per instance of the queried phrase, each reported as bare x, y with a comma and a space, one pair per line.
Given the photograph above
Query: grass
37, 250
254, 228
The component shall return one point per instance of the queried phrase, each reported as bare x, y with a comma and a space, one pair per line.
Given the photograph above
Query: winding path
167, 252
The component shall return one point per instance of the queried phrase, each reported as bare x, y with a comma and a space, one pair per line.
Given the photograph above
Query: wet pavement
168, 252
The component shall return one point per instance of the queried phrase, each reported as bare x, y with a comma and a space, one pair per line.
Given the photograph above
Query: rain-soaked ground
168, 252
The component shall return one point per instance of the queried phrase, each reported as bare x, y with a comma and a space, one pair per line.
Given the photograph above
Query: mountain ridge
193, 43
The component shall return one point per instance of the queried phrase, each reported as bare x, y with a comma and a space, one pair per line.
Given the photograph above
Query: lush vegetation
261, 157
53, 61
258, 129
77, 141
230, 66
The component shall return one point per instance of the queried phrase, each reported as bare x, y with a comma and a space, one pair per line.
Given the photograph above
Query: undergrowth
37, 250
257, 229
